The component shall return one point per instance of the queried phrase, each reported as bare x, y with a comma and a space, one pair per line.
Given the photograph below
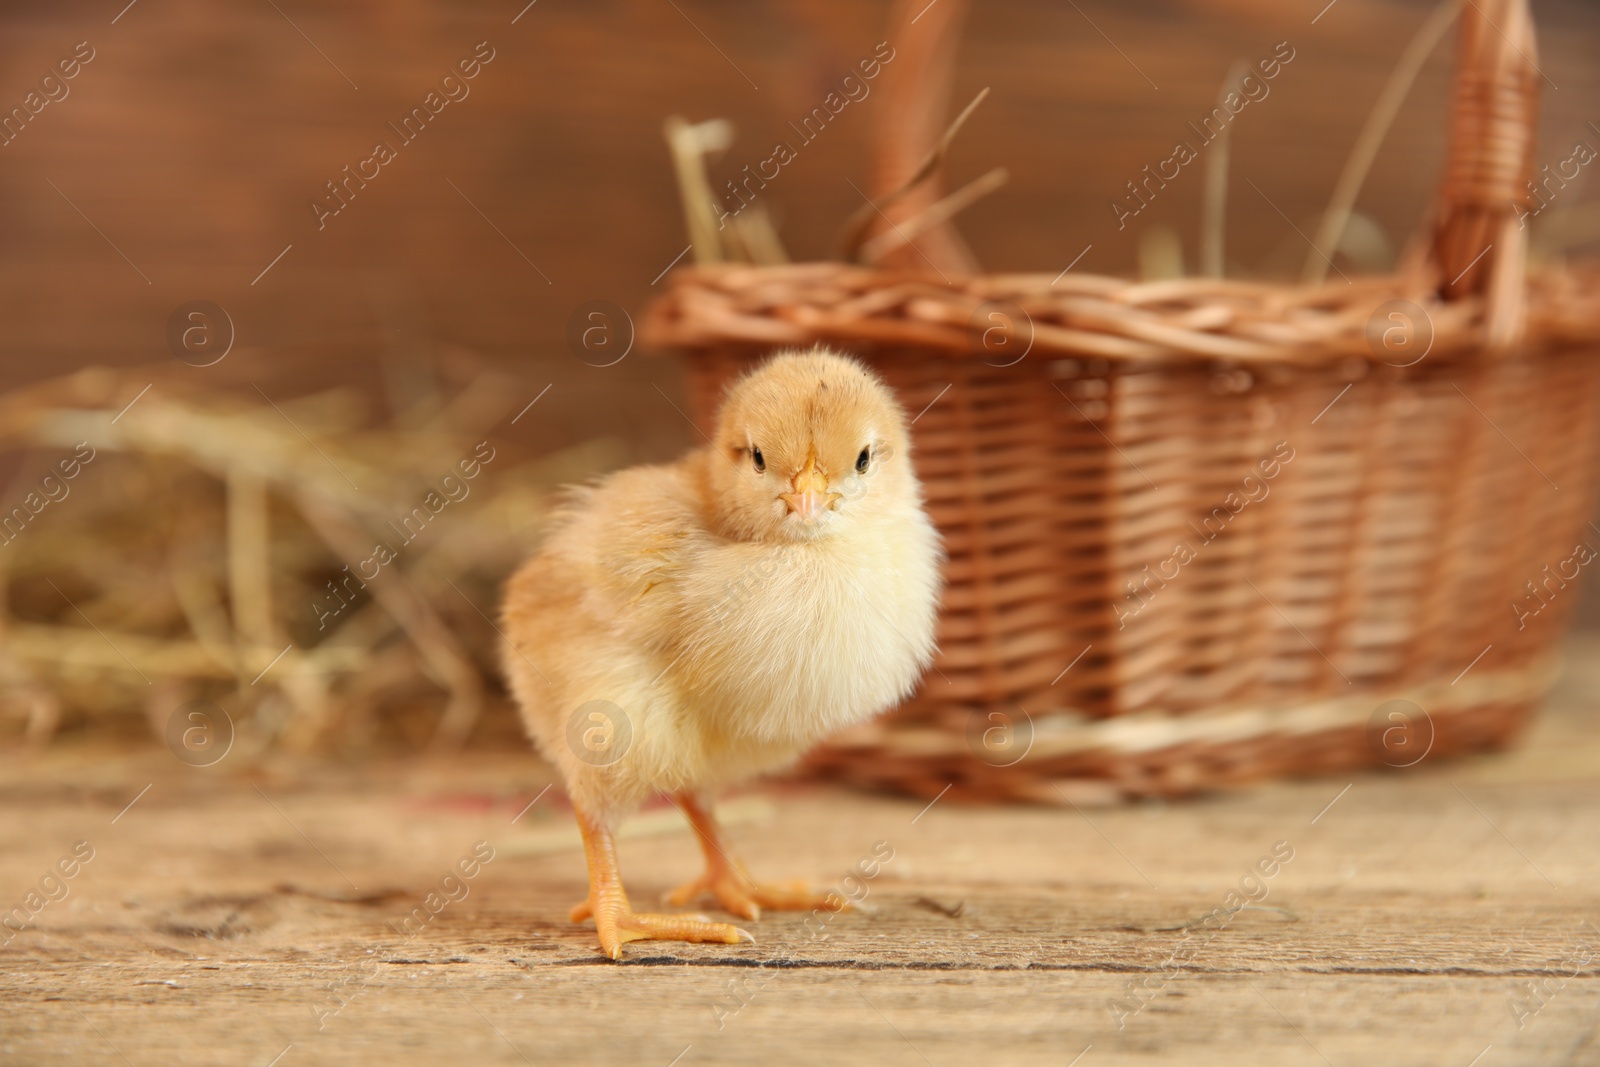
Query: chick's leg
615, 920
726, 879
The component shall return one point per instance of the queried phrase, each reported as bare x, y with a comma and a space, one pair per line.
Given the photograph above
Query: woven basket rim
1100, 316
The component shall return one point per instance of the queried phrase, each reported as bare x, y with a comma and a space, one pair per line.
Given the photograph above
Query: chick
691, 625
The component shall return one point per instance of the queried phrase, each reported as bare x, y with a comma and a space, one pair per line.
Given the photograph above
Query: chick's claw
616, 929
726, 880
738, 895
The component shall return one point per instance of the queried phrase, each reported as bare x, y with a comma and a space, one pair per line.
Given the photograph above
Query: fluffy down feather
732, 633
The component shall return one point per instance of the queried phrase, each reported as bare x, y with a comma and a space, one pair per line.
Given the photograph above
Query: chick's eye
862, 460
758, 459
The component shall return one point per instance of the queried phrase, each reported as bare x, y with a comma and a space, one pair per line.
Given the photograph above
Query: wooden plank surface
227, 913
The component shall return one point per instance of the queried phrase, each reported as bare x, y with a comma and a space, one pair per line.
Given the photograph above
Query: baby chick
688, 626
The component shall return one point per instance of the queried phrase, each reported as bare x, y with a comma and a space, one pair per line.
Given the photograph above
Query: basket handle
916, 87
1479, 241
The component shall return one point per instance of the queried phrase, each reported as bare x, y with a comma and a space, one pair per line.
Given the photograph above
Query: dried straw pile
199, 552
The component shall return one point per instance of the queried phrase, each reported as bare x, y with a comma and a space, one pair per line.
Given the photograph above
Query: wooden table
255, 915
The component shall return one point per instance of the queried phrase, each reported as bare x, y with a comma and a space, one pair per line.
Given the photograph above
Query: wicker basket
1210, 531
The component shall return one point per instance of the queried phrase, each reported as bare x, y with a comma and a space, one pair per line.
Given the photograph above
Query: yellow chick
691, 625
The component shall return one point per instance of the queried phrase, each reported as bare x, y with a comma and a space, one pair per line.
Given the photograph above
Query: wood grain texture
220, 909
197, 136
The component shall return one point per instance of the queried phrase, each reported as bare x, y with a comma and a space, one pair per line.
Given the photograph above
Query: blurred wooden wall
197, 136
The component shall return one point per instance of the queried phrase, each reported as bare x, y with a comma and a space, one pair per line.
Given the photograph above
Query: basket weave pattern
1380, 559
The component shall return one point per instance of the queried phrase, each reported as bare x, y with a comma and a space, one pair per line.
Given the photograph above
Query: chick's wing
632, 543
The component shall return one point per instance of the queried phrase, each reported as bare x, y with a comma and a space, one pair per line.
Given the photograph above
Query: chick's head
814, 444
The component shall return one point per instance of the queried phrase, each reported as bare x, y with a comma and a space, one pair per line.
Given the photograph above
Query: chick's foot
617, 927
740, 896
614, 918
619, 924
726, 880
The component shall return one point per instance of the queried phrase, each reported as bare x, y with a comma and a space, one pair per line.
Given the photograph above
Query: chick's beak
811, 496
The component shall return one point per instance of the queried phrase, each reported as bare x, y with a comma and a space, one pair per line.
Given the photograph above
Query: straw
1337, 215
191, 558
1214, 203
